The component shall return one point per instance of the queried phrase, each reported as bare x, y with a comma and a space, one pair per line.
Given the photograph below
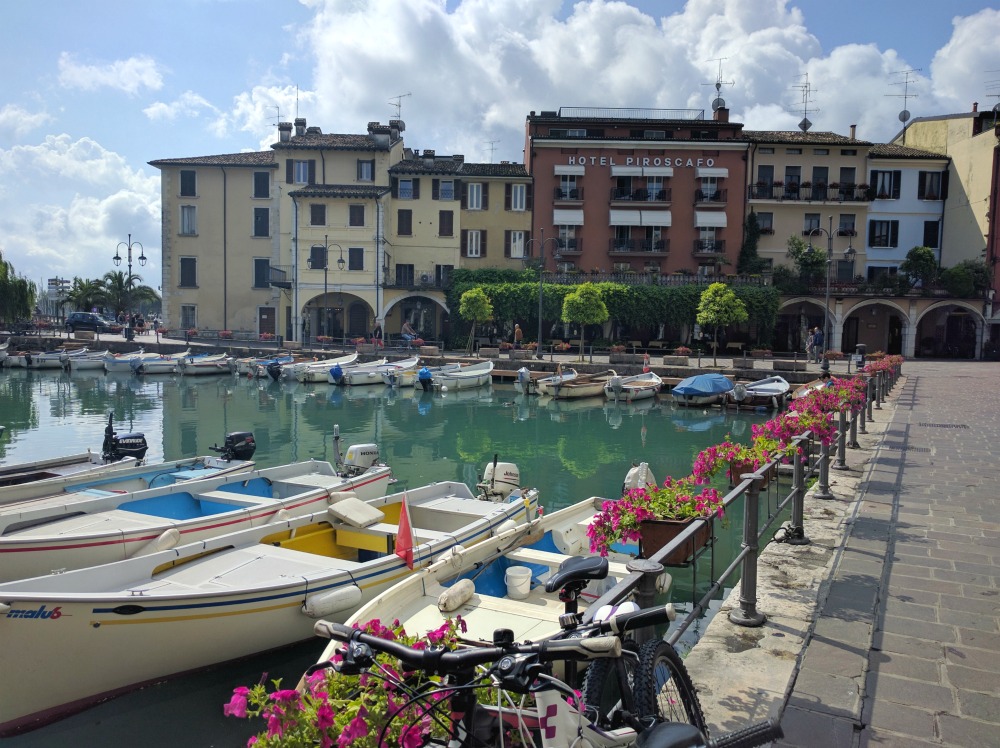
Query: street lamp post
849, 254
129, 332
326, 264
541, 270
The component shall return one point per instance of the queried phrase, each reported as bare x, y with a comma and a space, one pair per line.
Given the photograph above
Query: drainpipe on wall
296, 329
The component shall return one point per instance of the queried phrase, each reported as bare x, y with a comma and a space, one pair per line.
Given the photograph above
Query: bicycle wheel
603, 689
663, 688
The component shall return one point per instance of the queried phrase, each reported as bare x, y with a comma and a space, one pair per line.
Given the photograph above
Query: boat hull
464, 378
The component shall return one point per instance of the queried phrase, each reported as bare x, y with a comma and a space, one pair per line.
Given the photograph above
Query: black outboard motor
239, 445
274, 371
116, 448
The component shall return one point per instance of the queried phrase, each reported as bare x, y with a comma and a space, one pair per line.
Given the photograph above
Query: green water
568, 450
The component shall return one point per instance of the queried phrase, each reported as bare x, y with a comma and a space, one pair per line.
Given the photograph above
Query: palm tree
86, 294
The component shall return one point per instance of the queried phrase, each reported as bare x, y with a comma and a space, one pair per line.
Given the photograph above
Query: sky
95, 90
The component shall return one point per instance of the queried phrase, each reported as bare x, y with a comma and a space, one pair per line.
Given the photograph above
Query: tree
810, 261
17, 295
749, 262
85, 295
719, 306
586, 307
475, 306
920, 266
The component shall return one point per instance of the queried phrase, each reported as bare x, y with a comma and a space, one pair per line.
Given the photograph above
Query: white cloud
16, 122
130, 76
964, 64
188, 104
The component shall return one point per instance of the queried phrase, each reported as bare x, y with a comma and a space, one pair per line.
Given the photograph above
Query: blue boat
702, 389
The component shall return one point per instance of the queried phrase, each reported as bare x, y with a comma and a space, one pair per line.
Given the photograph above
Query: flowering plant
417, 342
680, 499
193, 332
682, 350
833, 355
506, 345
531, 346
619, 348
377, 708
267, 336
762, 449
358, 341
562, 346
161, 330
324, 339
225, 334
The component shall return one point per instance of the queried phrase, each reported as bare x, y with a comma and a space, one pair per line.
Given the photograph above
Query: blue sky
93, 91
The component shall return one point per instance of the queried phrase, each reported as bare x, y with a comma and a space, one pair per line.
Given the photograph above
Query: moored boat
337, 374
410, 377
465, 377
88, 361
636, 387
122, 363
202, 365
582, 386
362, 375
175, 611
526, 385
816, 384
770, 392
164, 364
316, 371
702, 389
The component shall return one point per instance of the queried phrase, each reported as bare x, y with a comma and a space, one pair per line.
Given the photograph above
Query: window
846, 225
709, 189
356, 215
848, 175
821, 151
883, 233
317, 214
318, 256
404, 222
810, 223
576, 133
443, 189
765, 221
261, 184
621, 267
567, 267
188, 184
848, 151
189, 220
446, 223
567, 188
366, 170
355, 258
765, 150
518, 196
409, 189
882, 274
514, 244
300, 172
886, 184
765, 174
567, 238
793, 175
654, 188
261, 222
261, 272
929, 186
474, 196
845, 271
189, 272
189, 316
793, 151
473, 243
623, 237
654, 239
932, 230
404, 274
706, 239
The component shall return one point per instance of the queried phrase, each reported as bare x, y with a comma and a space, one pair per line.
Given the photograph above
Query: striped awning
711, 171
709, 219
571, 169
564, 217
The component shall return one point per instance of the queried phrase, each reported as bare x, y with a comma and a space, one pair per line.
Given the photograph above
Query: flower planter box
364, 348
789, 365
736, 469
743, 363
656, 533
293, 345
521, 355
489, 352
429, 350
625, 358
675, 360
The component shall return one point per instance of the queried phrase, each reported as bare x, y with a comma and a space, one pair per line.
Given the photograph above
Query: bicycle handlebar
761, 733
445, 661
623, 622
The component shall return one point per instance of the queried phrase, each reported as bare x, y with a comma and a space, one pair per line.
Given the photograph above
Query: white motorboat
164, 364
636, 387
317, 371
215, 363
580, 387
465, 377
90, 361
337, 374
49, 359
132, 622
122, 363
770, 392
373, 374
410, 377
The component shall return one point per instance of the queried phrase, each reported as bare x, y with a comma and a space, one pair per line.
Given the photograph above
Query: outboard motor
638, 476
500, 480
239, 445
359, 458
116, 448
274, 371
337, 374
425, 377
524, 379
615, 383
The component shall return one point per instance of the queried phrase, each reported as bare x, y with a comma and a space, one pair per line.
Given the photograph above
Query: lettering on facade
680, 162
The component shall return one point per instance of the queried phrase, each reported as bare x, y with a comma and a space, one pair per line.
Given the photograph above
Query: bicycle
554, 722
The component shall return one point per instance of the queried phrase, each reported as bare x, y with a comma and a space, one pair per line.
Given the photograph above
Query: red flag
404, 538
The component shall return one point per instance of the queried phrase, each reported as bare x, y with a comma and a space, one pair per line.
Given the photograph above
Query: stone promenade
885, 629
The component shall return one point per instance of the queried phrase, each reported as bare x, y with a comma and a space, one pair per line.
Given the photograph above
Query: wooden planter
520, 355
789, 365
675, 360
366, 348
656, 533
489, 352
736, 469
625, 358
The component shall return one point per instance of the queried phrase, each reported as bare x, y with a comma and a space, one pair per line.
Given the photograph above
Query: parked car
91, 321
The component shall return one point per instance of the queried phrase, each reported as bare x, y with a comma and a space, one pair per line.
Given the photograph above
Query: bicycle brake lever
358, 657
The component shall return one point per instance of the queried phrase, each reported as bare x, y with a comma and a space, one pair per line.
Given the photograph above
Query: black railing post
841, 463
853, 442
823, 485
747, 614
797, 530
645, 593
871, 398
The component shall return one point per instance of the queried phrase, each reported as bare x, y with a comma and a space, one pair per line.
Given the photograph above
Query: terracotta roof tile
797, 137
248, 158
357, 191
891, 150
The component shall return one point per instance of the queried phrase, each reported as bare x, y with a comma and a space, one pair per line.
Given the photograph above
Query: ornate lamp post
541, 271
129, 332
825, 365
314, 265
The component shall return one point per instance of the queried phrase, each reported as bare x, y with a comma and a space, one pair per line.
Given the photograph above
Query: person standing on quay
518, 336
818, 345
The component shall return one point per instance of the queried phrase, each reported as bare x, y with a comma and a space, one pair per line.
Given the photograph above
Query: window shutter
921, 184
893, 233
871, 233
896, 179
482, 239
289, 171
944, 185
506, 235
507, 188
358, 173
465, 242
486, 195
465, 196
416, 189
435, 189
394, 187
529, 197
456, 190
312, 171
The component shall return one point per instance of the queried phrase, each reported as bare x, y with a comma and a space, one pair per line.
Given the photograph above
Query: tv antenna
718, 102
277, 113
994, 85
493, 146
397, 101
904, 115
807, 91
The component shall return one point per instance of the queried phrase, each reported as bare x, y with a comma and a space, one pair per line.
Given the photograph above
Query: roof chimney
721, 114
284, 131
300, 126
854, 132
975, 106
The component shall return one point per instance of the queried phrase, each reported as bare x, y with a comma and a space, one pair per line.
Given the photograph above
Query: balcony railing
710, 196
562, 193
280, 277
638, 246
570, 246
641, 196
418, 279
656, 279
807, 194
706, 248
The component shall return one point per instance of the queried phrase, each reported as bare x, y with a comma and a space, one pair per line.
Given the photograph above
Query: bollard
861, 414
747, 614
823, 485
841, 463
645, 593
853, 443
796, 527
878, 391
869, 398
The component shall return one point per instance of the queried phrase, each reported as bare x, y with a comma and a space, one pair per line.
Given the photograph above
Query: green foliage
920, 266
958, 281
810, 261
17, 295
718, 307
974, 270
586, 307
475, 306
749, 262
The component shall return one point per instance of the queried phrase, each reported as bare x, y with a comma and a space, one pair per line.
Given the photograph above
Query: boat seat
578, 569
231, 497
354, 512
554, 560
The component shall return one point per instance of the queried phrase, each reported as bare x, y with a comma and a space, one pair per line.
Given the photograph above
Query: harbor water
569, 450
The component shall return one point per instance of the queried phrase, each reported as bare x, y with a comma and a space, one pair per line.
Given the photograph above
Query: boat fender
334, 601
163, 542
456, 596
334, 496
455, 556
567, 542
4, 609
505, 526
663, 583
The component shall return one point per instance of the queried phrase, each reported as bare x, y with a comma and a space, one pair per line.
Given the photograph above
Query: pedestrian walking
809, 345
518, 336
818, 344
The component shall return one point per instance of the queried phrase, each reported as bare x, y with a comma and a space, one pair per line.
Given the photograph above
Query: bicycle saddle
577, 569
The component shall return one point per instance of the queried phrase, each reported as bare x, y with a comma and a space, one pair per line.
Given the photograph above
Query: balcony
822, 194
642, 247
717, 197
708, 249
570, 247
415, 279
561, 194
280, 277
640, 196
